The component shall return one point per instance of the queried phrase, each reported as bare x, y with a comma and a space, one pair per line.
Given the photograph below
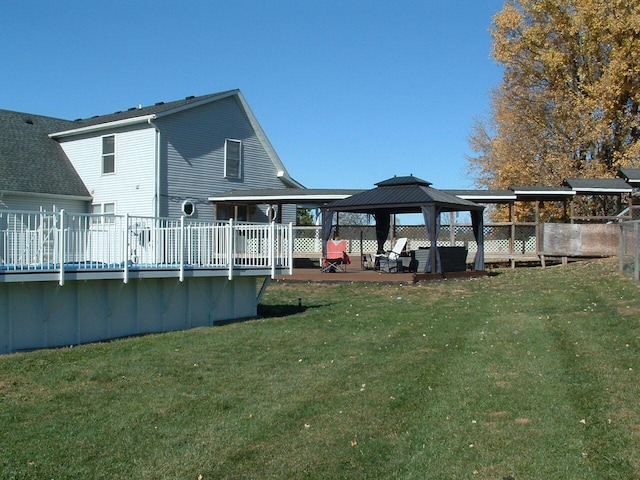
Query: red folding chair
336, 258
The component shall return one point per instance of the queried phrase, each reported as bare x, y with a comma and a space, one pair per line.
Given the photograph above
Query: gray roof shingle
30, 161
140, 111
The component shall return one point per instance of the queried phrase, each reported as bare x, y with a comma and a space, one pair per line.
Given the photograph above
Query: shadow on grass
275, 311
271, 311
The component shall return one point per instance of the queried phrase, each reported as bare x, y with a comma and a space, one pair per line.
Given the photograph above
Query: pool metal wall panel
42, 314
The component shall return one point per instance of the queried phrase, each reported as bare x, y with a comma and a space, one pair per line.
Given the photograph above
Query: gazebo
408, 194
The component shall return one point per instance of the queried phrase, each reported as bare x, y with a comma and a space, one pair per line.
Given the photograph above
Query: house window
239, 213
106, 210
232, 158
109, 154
188, 208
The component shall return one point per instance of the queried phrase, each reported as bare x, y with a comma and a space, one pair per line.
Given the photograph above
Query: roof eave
588, 191
268, 198
199, 103
404, 207
544, 193
83, 198
104, 126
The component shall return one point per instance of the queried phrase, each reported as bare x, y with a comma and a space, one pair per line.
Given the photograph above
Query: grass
529, 374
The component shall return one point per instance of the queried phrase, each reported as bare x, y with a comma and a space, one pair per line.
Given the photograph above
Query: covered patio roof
630, 175
272, 196
485, 196
598, 186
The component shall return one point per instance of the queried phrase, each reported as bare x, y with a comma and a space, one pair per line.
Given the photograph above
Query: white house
163, 160
106, 229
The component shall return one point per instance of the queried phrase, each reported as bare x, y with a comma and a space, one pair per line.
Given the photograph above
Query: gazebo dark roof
406, 194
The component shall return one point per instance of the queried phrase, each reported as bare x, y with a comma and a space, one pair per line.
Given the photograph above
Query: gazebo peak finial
404, 180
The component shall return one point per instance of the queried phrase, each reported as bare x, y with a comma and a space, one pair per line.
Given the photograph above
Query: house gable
165, 155
172, 154
193, 148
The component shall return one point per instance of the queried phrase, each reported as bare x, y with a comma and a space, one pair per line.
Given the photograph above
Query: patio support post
512, 228
538, 236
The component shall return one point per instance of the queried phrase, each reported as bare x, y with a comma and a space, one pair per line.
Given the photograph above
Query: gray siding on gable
192, 153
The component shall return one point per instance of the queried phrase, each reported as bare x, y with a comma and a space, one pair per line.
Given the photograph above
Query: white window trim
193, 207
226, 142
115, 156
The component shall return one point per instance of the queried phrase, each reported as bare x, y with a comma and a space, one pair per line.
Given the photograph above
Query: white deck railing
62, 242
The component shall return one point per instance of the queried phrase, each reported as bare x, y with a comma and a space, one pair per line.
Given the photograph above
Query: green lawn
528, 373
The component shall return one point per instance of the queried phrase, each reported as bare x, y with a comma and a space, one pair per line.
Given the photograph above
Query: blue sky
349, 92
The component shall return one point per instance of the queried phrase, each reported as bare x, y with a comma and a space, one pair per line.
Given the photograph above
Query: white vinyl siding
132, 186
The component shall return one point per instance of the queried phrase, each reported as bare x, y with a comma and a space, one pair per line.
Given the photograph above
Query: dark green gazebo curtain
383, 225
477, 222
431, 214
327, 226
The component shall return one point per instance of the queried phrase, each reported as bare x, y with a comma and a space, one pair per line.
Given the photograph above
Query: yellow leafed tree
568, 105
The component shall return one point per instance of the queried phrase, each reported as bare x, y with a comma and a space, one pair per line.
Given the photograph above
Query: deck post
62, 242
231, 246
290, 249
125, 253
272, 248
181, 243
636, 254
